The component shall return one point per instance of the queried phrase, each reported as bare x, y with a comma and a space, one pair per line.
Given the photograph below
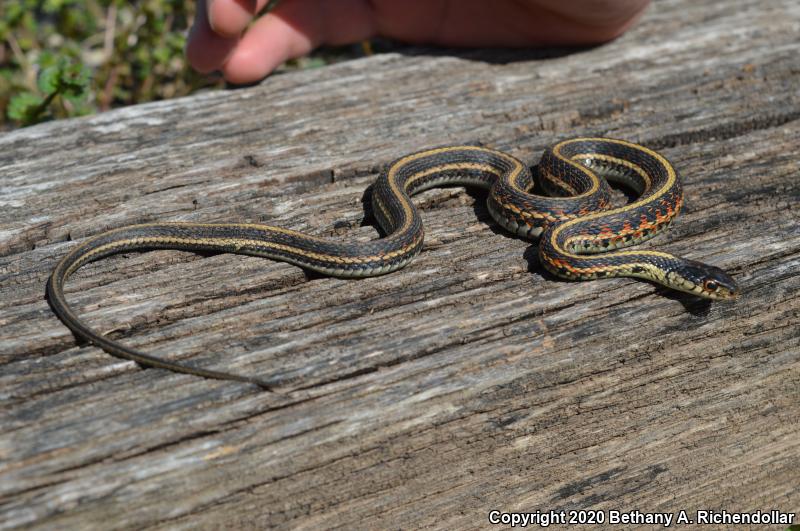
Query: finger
229, 18
206, 50
587, 21
265, 46
292, 30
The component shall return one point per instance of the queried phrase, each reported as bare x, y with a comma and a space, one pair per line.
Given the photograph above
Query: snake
581, 235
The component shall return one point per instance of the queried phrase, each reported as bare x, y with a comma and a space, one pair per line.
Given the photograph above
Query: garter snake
579, 231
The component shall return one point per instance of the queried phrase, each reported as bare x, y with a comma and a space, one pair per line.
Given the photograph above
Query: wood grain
469, 381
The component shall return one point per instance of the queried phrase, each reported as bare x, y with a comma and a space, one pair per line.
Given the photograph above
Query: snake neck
668, 270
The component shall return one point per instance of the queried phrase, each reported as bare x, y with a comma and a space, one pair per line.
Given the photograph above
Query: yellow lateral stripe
670, 182
397, 167
558, 182
238, 243
592, 176
622, 162
595, 270
453, 166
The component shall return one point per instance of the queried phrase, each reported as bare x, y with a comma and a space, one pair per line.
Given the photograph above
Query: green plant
64, 58
65, 79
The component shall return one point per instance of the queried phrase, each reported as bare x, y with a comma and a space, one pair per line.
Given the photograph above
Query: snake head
705, 280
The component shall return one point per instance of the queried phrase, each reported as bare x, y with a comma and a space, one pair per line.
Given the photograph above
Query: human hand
222, 37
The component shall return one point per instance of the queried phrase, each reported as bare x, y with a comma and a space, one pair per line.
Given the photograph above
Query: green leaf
14, 12
47, 59
162, 54
52, 6
64, 77
74, 80
48, 81
25, 107
314, 62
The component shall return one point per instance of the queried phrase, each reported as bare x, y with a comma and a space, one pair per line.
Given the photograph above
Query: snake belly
576, 224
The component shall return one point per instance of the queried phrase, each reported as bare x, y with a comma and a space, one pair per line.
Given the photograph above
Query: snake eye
710, 285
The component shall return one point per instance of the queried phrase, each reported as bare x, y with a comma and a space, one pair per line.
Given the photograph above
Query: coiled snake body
579, 232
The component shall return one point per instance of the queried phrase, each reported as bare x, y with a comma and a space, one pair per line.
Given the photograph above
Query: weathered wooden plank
470, 380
